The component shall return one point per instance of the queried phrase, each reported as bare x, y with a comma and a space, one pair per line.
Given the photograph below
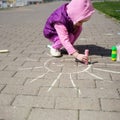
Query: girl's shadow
93, 50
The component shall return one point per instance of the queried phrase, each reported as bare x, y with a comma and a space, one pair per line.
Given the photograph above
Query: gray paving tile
6, 99
34, 101
20, 89
51, 114
58, 92
99, 115
77, 103
13, 113
99, 93
110, 104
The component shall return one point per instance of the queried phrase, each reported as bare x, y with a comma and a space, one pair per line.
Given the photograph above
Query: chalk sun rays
87, 69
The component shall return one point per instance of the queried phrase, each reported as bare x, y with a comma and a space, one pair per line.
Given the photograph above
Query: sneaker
54, 52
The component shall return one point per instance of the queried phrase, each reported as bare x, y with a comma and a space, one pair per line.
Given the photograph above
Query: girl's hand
81, 57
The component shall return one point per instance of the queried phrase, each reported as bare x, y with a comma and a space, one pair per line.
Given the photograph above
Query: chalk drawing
69, 67
54, 81
107, 70
74, 85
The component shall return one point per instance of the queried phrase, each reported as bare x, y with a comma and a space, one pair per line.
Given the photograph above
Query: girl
64, 26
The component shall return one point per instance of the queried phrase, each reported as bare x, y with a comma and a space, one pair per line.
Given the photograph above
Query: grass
110, 8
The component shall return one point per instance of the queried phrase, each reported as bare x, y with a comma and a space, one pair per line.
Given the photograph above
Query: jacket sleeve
64, 38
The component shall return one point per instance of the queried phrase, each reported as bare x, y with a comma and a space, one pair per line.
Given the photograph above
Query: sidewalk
36, 86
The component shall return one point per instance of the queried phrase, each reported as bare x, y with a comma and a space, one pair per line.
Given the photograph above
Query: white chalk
4, 51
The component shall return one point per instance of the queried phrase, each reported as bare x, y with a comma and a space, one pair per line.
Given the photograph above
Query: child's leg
73, 37
56, 44
54, 49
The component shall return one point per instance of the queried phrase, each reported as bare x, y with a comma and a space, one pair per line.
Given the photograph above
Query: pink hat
79, 10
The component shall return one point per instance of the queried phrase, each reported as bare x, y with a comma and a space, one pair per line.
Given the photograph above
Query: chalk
4, 51
86, 53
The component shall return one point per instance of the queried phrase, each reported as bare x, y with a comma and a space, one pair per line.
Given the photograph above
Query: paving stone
99, 115
99, 93
28, 74
77, 103
7, 73
13, 113
19, 89
53, 76
58, 92
108, 84
2, 66
7, 59
85, 83
93, 75
100, 74
110, 104
1, 87
13, 63
52, 114
12, 81
115, 76
32, 63
6, 99
11, 67
67, 81
34, 101
40, 82
119, 91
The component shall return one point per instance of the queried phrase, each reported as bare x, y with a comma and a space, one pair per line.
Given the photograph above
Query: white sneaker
54, 52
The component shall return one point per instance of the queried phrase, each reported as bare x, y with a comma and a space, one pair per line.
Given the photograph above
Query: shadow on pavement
94, 50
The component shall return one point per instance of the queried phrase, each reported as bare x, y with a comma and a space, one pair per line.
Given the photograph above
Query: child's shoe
54, 52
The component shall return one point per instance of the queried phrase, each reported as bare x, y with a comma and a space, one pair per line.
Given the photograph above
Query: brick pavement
35, 86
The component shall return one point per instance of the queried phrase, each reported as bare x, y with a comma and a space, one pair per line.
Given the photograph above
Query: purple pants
57, 43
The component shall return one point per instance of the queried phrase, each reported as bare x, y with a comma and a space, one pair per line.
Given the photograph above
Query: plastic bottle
114, 53
118, 52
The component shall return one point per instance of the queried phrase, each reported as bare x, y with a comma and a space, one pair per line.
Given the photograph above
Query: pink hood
79, 10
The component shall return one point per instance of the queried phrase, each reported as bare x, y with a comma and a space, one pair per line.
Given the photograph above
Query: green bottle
114, 53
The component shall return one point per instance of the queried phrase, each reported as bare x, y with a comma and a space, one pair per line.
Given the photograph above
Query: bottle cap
114, 48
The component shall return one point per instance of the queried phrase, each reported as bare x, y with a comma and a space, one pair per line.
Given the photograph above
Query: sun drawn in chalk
70, 67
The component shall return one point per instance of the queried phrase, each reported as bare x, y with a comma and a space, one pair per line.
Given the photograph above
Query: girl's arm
64, 38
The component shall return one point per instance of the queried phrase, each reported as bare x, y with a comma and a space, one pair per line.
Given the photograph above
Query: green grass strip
110, 8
